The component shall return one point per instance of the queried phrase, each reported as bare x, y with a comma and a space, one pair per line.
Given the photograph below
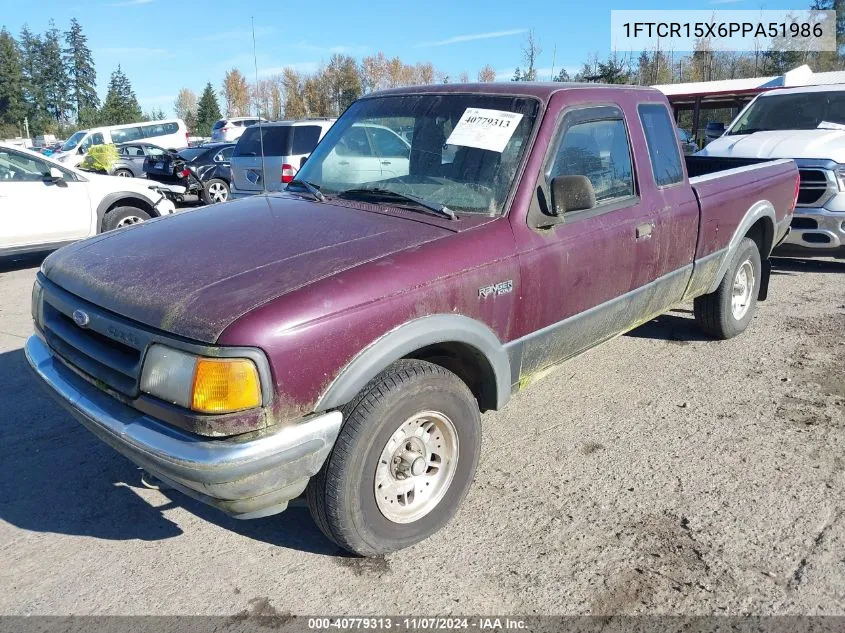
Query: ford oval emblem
81, 318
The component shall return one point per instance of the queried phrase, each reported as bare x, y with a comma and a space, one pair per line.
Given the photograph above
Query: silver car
286, 144
130, 161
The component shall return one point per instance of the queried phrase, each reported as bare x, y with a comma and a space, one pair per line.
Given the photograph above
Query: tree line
49, 80
48, 84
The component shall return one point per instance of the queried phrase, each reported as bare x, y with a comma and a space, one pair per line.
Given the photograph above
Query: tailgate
726, 199
159, 166
248, 175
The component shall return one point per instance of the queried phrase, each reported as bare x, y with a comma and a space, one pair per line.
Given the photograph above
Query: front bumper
817, 229
246, 476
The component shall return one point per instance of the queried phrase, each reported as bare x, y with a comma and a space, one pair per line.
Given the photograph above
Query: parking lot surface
659, 473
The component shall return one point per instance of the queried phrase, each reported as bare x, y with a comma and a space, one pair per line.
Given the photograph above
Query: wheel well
468, 364
763, 234
130, 202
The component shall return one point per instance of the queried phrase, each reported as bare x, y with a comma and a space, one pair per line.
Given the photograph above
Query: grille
813, 186
106, 359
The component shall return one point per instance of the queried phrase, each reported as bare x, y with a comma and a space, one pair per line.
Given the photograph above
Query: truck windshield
73, 141
459, 151
803, 111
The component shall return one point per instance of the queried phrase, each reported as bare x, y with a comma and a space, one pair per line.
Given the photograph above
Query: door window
662, 144
15, 167
354, 143
600, 151
224, 155
133, 151
387, 144
93, 139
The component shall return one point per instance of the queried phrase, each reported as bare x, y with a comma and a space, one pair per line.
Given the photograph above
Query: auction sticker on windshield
485, 129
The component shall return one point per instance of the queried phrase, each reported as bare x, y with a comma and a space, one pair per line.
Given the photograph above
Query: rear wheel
403, 462
123, 173
214, 191
728, 311
124, 216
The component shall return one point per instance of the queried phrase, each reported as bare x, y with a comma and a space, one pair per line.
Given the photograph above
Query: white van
168, 134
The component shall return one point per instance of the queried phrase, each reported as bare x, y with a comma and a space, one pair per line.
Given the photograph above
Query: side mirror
55, 174
80, 150
572, 193
302, 162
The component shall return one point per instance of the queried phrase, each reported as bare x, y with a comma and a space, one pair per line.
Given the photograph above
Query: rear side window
305, 139
388, 144
277, 141
662, 143
126, 134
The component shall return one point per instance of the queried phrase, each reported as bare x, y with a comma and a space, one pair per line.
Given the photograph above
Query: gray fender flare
760, 209
409, 337
128, 197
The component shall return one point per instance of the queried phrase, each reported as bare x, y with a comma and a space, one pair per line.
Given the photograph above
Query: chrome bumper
246, 478
826, 229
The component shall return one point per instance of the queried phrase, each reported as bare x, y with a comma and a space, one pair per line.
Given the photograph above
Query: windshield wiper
439, 209
310, 188
749, 130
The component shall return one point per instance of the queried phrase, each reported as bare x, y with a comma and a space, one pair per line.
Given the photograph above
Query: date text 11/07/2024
409, 623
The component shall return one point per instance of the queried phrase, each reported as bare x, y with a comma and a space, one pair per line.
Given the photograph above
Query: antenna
260, 128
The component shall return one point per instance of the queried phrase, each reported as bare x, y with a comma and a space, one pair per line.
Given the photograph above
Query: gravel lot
659, 473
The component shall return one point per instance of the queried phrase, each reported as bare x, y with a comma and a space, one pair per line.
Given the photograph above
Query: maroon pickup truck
441, 248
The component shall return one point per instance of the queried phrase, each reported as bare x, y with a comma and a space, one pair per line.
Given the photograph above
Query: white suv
230, 130
285, 143
46, 204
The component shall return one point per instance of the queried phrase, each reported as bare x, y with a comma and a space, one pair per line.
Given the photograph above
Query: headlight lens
205, 385
35, 304
840, 177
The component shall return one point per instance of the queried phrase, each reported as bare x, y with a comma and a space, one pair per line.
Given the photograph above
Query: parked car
808, 125
342, 339
130, 163
230, 129
203, 171
713, 130
170, 134
52, 148
688, 145
286, 145
368, 152
47, 204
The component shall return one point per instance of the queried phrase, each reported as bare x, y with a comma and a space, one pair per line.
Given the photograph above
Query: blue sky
164, 45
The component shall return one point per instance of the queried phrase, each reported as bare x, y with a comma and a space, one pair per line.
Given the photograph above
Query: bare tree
185, 107
236, 93
530, 52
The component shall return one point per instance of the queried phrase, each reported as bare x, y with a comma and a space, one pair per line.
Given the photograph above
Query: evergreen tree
54, 79
121, 104
12, 105
83, 77
31, 80
208, 111
562, 76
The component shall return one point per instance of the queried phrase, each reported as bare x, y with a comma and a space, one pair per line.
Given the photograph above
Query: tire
123, 173
123, 216
343, 498
214, 191
717, 313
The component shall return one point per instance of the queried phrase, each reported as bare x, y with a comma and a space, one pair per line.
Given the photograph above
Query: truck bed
726, 189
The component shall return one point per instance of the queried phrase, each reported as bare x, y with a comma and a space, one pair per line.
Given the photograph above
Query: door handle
386, 162
343, 162
644, 231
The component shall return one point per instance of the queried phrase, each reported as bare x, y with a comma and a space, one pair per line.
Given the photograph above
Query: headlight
840, 177
205, 385
35, 304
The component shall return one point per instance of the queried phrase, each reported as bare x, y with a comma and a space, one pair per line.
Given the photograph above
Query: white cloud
339, 49
129, 3
138, 51
240, 34
301, 67
472, 37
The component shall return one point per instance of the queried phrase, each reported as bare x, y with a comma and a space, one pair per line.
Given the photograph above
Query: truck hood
824, 144
195, 273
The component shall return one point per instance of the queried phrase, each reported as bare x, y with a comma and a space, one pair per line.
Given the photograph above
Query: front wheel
728, 311
402, 463
124, 216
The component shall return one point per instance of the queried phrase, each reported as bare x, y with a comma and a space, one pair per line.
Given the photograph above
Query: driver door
36, 210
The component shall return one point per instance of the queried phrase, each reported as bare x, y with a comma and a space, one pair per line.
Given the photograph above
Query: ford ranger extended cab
808, 125
342, 338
